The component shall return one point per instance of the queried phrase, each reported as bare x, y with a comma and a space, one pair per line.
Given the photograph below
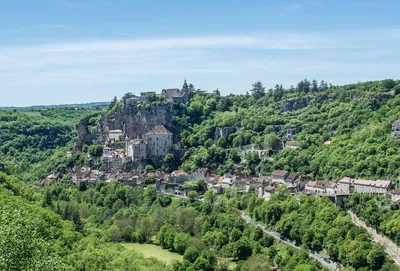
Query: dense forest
356, 118
30, 140
379, 213
64, 227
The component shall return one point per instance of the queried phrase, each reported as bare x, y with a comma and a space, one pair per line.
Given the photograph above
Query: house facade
159, 142
320, 188
155, 145
348, 185
279, 175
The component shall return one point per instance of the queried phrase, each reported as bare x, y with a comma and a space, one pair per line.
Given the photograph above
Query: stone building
175, 95
155, 145
279, 176
224, 132
115, 135
320, 188
159, 142
139, 149
348, 185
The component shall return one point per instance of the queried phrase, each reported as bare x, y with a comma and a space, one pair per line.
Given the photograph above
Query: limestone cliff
134, 121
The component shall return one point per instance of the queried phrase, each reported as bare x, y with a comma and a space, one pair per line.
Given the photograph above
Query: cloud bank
230, 62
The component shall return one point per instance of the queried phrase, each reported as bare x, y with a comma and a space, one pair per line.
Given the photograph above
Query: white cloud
228, 60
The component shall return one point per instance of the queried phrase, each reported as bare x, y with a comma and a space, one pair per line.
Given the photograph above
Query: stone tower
185, 87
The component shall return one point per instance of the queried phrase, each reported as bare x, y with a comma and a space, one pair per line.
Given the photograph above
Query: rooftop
377, 183
159, 129
177, 172
321, 184
292, 143
169, 90
281, 173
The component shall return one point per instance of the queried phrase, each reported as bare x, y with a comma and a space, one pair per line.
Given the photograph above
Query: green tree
191, 254
376, 257
210, 196
149, 169
193, 195
95, 150
180, 242
241, 249
272, 141
258, 90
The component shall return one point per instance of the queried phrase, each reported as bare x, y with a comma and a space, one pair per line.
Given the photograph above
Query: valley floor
149, 250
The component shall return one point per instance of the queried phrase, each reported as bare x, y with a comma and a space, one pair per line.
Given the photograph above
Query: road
390, 247
315, 256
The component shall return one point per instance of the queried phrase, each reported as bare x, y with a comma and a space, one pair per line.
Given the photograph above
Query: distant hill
36, 107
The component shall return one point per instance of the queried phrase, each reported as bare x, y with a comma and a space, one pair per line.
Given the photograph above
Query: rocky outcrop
134, 121
396, 129
296, 103
84, 135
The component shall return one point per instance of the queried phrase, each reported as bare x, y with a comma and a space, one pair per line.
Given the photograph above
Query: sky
77, 51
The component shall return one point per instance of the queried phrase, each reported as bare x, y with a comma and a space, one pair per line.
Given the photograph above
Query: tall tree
314, 86
258, 90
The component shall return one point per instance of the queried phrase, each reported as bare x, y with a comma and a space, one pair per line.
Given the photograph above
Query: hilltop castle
175, 95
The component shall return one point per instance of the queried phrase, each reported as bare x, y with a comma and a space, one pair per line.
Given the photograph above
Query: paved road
276, 235
390, 247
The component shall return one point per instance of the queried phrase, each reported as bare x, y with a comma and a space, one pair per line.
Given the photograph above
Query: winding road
315, 256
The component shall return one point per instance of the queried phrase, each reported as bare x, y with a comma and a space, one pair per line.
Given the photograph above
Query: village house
199, 174
115, 135
395, 196
139, 149
178, 176
266, 192
87, 176
279, 175
113, 159
320, 188
292, 182
131, 178
132, 101
293, 144
347, 185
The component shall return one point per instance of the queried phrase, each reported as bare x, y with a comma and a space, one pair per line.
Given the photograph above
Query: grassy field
32, 113
149, 251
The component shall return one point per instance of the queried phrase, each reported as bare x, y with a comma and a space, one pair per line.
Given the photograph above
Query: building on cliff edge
155, 145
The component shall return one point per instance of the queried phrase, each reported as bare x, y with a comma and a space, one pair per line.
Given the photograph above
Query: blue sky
69, 51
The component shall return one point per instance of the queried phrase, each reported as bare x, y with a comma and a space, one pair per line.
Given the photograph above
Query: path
390, 247
276, 235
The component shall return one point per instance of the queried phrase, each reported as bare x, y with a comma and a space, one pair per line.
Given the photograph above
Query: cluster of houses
180, 183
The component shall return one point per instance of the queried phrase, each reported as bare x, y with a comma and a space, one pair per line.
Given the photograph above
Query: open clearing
149, 251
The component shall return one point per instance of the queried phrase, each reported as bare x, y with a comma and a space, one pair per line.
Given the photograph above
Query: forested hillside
356, 118
28, 140
62, 226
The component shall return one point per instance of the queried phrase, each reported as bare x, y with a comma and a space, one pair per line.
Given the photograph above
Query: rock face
296, 103
84, 136
396, 129
133, 121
